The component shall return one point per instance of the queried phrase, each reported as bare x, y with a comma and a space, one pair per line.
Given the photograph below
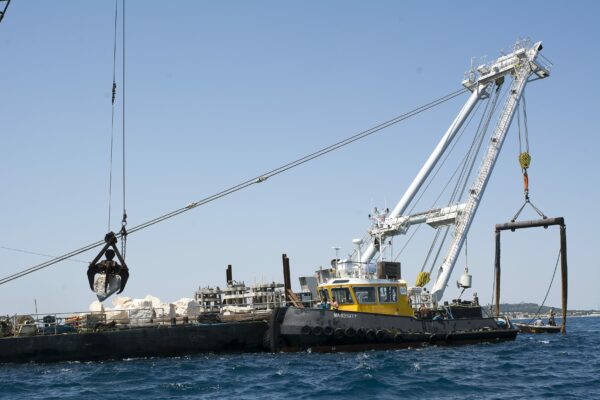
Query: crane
523, 64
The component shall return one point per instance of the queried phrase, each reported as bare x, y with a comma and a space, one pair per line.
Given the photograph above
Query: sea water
533, 366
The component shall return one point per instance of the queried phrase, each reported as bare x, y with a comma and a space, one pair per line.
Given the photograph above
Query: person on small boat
552, 319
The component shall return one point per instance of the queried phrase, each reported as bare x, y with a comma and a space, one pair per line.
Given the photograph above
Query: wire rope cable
124, 218
259, 179
112, 123
537, 313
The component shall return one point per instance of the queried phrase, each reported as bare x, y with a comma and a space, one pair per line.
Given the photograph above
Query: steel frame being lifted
546, 222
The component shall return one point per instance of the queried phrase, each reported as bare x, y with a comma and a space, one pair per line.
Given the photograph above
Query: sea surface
534, 366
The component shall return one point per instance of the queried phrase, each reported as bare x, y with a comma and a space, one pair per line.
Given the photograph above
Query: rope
112, 124
466, 169
519, 130
124, 198
432, 178
525, 122
300, 161
245, 184
422, 193
525, 161
547, 291
469, 158
124, 219
38, 254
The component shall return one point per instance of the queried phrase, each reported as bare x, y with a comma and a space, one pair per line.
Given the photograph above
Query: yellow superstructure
377, 296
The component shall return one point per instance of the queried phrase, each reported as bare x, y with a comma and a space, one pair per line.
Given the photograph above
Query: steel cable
243, 185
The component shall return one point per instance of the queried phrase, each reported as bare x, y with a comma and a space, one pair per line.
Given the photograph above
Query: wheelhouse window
365, 294
388, 294
342, 295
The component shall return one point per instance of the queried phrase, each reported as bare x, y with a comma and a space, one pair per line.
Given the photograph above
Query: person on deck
552, 319
323, 304
334, 304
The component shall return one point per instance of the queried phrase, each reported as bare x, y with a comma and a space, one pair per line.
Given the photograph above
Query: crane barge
371, 306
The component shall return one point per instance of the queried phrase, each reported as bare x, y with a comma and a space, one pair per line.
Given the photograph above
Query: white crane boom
521, 63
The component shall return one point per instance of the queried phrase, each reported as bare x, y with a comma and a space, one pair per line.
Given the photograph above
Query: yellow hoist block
524, 160
422, 279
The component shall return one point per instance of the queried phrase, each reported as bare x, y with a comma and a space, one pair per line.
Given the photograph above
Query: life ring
350, 332
306, 330
317, 331
339, 333
328, 331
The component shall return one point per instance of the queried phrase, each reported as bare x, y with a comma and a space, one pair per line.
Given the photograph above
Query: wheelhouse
378, 296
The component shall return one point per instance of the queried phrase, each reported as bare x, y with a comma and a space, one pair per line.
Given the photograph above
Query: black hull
164, 341
295, 329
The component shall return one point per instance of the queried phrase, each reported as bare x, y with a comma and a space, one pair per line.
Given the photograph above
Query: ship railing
72, 322
256, 307
544, 62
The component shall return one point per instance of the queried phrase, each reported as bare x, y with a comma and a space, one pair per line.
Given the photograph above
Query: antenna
337, 250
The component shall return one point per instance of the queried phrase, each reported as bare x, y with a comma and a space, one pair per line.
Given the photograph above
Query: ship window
365, 295
388, 294
342, 295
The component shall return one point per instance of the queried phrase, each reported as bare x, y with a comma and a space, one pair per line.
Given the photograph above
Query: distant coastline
530, 310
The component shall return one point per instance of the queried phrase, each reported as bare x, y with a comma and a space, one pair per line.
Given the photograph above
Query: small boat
533, 328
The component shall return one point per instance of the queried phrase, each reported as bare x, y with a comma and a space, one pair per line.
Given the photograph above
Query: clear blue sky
218, 92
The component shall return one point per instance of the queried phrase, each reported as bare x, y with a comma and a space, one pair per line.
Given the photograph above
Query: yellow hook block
524, 160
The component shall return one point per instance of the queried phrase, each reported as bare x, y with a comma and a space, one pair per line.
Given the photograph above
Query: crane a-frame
523, 64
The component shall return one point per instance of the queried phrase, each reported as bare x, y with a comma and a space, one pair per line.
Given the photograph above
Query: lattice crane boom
524, 61
520, 64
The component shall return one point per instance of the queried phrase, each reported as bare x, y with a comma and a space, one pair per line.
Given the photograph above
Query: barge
108, 343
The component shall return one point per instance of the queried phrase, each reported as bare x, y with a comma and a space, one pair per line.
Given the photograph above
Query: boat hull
297, 329
529, 328
156, 341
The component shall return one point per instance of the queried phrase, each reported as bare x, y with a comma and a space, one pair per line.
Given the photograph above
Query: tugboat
377, 312
365, 304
